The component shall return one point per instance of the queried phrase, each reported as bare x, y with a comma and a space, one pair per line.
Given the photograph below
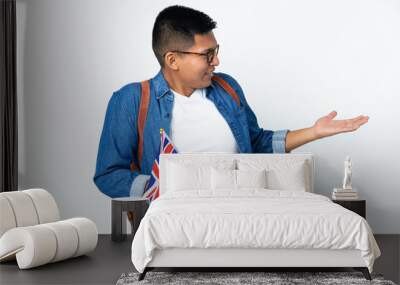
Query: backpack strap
144, 106
225, 85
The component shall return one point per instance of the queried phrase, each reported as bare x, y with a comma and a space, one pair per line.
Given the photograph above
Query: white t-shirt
198, 126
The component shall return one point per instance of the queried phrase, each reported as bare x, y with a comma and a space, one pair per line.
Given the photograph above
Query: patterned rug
270, 278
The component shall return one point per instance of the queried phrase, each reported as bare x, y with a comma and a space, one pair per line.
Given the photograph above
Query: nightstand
138, 206
357, 206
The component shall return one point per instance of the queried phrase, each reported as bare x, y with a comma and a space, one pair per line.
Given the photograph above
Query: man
196, 112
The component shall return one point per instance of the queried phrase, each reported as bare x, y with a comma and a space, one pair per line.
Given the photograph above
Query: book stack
344, 194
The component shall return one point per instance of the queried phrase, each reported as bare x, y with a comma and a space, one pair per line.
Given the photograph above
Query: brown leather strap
227, 88
144, 106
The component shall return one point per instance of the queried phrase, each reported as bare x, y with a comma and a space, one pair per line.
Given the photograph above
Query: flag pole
161, 139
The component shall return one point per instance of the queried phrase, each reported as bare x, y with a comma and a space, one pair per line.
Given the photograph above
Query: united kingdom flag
152, 188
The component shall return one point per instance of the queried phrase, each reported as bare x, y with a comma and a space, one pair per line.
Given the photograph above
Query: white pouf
31, 233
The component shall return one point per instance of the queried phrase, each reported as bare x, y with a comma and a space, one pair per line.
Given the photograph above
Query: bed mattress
250, 219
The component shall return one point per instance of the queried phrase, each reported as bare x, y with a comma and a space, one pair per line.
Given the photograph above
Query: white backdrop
296, 61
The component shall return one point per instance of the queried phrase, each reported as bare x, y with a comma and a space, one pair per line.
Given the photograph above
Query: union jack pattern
152, 188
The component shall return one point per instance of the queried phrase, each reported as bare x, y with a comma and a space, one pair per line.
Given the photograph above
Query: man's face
194, 70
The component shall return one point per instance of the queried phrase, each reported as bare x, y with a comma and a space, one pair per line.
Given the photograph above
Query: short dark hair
175, 27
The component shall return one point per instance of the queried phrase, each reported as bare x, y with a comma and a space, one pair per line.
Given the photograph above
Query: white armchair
31, 231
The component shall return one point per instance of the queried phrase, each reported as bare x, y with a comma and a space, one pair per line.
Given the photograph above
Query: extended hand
327, 126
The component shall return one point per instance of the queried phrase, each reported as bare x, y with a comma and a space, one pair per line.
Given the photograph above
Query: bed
244, 211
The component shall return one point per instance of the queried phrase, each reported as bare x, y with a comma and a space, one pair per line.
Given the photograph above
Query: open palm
327, 126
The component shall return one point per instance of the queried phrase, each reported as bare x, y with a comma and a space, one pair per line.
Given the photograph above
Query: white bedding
252, 218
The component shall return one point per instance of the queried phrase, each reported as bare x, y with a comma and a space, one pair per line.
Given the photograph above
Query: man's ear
170, 60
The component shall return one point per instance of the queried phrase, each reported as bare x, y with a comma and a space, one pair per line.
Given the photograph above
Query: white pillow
186, 175
288, 178
284, 174
223, 179
182, 177
231, 180
251, 178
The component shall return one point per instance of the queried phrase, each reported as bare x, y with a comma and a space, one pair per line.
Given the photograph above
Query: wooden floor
110, 260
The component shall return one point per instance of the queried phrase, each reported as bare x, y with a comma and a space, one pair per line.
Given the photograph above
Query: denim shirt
119, 138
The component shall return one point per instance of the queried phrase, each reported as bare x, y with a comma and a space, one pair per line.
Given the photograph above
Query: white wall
296, 61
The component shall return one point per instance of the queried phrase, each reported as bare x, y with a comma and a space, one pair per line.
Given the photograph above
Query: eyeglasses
210, 54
